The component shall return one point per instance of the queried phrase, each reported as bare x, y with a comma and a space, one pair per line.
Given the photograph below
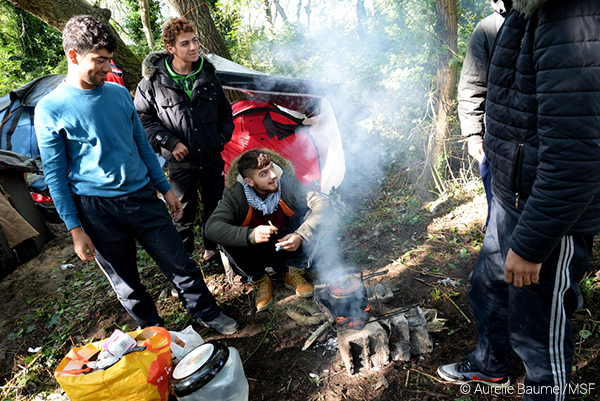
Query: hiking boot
295, 280
263, 293
463, 372
222, 324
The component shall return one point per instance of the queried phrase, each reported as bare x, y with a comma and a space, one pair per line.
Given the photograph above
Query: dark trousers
186, 183
114, 224
534, 320
486, 177
251, 261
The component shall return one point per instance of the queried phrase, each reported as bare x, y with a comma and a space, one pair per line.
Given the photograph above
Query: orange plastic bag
138, 376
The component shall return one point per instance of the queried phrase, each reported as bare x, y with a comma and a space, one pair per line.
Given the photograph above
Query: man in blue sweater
103, 177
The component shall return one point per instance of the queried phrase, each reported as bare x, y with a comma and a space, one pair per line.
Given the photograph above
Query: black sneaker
463, 372
223, 324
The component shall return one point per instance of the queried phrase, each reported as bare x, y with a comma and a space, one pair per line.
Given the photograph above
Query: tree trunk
359, 12
57, 13
280, 10
268, 16
145, 16
307, 8
299, 10
446, 27
207, 31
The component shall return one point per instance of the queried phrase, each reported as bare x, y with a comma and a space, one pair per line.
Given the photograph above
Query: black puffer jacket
543, 122
472, 87
204, 123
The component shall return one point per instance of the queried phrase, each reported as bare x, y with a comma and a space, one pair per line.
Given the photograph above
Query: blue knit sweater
92, 143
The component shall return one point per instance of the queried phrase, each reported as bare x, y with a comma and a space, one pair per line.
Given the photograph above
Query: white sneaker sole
446, 377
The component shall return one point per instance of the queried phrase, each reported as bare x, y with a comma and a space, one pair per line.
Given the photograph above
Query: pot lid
198, 368
345, 286
193, 361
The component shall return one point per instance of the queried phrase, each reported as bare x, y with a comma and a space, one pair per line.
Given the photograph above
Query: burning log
322, 329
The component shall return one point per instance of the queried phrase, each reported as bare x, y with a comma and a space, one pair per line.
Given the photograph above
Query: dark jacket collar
154, 63
527, 7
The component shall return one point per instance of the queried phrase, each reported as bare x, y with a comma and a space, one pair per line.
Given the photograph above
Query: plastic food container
210, 372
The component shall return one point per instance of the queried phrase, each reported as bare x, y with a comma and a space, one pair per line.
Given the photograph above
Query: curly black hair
86, 34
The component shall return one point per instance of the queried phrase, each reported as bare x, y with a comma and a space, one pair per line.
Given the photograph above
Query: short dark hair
86, 34
252, 160
174, 27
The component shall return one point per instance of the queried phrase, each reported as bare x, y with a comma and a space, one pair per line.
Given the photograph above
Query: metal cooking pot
347, 295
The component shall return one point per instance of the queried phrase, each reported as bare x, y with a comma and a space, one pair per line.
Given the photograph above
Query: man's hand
82, 244
290, 242
263, 233
519, 271
174, 204
476, 150
180, 151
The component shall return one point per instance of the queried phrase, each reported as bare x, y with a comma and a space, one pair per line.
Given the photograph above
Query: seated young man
267, 219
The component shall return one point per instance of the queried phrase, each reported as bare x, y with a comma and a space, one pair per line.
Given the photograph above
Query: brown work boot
295, 280
263, 293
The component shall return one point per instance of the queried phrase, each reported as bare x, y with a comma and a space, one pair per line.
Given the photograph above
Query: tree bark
145, 16
359, 12
268, 16
280, 10
299, 10
207, 31
447, 28
57, 13
307, 8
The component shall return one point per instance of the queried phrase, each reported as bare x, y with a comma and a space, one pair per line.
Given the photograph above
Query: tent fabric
293, 93
16, 228
303, 99
12, 183
8, 258
259, 124
16, 113
17, 162
31, 93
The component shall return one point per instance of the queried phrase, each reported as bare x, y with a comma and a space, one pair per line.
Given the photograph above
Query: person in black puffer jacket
472, 89
543, 145
186, 115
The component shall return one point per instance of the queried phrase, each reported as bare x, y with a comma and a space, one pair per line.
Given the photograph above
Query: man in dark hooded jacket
543, 144
186, 115
472, 89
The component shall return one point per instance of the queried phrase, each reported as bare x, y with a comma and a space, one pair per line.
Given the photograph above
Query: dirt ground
40, 302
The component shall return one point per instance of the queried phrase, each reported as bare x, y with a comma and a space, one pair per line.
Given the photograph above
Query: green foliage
385, 77
588, 284
133, 27
227, 19
29, 48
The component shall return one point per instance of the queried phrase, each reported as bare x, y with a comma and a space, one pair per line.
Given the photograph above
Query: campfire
369, 335
344, 301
